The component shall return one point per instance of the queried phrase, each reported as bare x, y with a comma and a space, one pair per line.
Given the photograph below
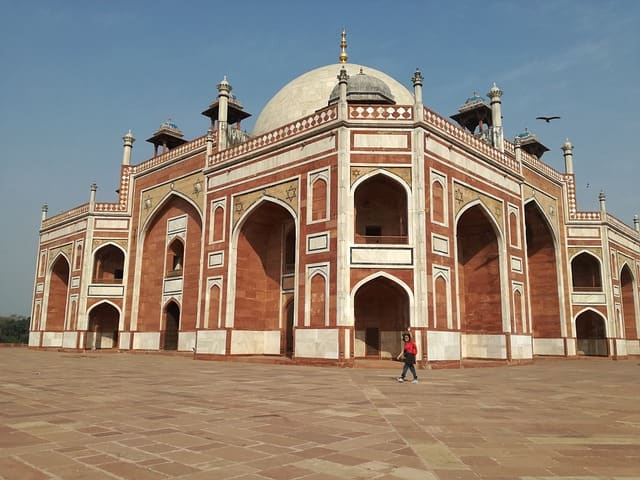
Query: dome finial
343, 47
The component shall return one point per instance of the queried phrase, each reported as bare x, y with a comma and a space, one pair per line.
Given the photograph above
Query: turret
45, 209
224, 111
636, 223
495, 95
128, 140
567, 150
417, 80
603, 208
92, 196
168, 136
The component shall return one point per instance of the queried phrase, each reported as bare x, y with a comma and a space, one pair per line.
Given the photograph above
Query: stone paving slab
128, 416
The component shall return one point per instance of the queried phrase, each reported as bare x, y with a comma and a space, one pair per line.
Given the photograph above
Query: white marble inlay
111, 224
377, 141
216, 259
172, 285
318, 242
106, 290
398, 256
439, 244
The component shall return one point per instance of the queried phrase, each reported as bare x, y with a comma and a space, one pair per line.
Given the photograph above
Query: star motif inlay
291, 193
459, 196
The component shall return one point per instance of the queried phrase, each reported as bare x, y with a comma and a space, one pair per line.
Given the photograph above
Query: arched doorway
108, 265
628, 303
103, 327
172, 326
381, 311
380, 205
265, 275
543, 274
58, 290
478, 273
590, 332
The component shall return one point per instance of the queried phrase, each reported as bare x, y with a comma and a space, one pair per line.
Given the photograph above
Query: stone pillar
636, 223
209, 141
224, 90
128, 140
417, 79
603, 209
517, 146
495, 94
567, 150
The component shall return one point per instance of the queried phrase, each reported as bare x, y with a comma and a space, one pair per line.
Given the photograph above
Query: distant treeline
14, 329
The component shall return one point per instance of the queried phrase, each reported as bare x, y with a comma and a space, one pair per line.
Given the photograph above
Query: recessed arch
382, 311
171, 325
627, 293
480, 274
586, 272
58, 290
161, 204
104, 320
591, 333
108, 263
542, 261
380, 206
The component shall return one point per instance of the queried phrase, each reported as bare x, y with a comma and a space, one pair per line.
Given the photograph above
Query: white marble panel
276, 161
106, 290
484, 346
633, 346
172, 285
111, 224
52, 339
177, 224
124, 340
583, 232
250, 342
317, 343
212, 342
516, 264
616, 290
69, 339
388, 256
75, 282
588, 298
443, 345
377, 141
146, 340
439, 244
616, 237
34, 339
216, 259
62, 232
318, 242
548, 346
40, 288
571, 348
621, 347
186, 341
521, 347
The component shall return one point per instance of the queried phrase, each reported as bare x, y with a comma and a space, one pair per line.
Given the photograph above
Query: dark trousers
411, 367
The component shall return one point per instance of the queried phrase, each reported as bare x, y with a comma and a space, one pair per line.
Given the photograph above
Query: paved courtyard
127, 416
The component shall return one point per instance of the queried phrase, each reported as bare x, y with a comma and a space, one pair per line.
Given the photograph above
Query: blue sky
76, 75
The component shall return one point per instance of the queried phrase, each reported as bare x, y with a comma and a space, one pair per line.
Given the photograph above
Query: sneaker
400, 379
415, 380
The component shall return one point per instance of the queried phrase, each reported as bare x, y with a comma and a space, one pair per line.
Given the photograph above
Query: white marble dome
311, 91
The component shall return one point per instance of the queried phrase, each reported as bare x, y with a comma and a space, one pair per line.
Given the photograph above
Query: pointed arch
105, 318
380, 208
382, 308
262, 277
481, 272
586, 272
628, 294
108, 263
438, 201
591, 332
161, 204
58, 281
545, 284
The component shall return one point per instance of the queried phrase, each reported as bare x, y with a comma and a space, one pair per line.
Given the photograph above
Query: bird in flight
547, 119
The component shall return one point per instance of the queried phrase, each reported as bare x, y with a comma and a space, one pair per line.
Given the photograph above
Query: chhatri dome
313, 91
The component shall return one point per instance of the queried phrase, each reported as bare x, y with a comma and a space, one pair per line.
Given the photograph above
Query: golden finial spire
343, 47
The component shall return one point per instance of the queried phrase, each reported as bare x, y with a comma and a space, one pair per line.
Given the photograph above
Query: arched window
175, 258
437, 208
218, 224
319, 200
585, 270
380, 211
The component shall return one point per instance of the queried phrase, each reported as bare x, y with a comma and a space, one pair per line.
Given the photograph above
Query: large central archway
58, 290
381, 311
265, 269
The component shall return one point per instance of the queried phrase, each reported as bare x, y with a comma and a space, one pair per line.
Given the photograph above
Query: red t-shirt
410, 347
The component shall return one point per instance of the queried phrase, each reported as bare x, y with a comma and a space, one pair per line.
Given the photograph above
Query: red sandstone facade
327, 233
